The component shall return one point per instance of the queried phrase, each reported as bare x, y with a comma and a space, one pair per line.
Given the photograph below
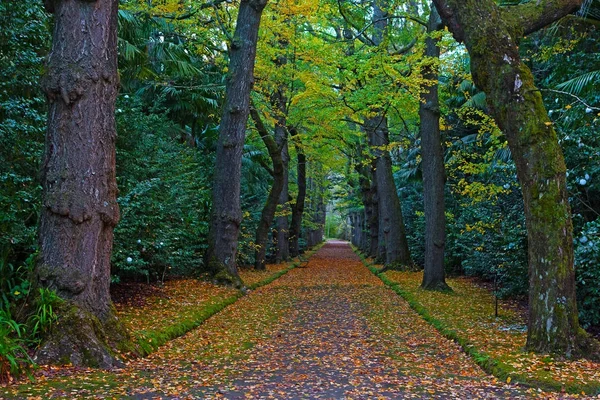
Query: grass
466, 316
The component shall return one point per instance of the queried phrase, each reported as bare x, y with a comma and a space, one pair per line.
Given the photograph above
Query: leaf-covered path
330, 330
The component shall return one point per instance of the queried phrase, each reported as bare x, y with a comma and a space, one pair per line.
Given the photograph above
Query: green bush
164, 198
587, 262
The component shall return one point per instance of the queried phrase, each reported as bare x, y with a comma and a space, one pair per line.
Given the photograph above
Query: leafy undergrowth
466, 315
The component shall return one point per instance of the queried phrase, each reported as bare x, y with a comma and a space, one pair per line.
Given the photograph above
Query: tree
226, 217
274, 145
434, 277
79, 188
298, 205
491, 35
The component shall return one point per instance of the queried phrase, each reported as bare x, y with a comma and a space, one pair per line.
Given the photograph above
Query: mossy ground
466, 315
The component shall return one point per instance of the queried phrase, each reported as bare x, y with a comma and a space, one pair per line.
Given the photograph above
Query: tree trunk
492, 36
298, 208
392, 237
368, 191
434, 277
282, 252
226, 217
274, 146
80, 209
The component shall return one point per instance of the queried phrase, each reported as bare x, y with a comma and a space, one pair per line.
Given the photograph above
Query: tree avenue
442, 138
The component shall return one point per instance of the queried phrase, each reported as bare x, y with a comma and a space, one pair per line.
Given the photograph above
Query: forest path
330, 330
333, 330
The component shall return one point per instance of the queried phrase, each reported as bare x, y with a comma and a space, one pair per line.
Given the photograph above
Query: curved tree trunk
393, 246
298, 207
226, 217
78, 177
282, 252
434, 277
491, 35
274, 147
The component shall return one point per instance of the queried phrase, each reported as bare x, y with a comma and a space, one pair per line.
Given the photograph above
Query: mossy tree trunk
282, 250
298, 206
434, 175
226, 217
368, 193
80, 209
491, 35
393, 245
274, 146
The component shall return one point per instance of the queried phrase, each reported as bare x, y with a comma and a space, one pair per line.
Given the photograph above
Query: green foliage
41, 320
13, 355
24, 40
587, 261
164, 197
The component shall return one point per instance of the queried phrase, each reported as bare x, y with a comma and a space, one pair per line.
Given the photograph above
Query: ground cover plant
467, 314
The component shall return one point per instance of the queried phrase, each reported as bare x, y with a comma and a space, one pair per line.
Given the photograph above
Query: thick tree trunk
368, 192
220, 257
274, 146
434, 277
298, 207
392, 236
282, 252
78, 177
491, 36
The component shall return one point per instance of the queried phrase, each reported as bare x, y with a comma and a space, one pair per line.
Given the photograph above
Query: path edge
485, 361
149, 342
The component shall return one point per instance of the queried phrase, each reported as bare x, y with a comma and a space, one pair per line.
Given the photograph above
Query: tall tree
298, 205
282, 251
220, 257
491, 34
434, 277
393, 245
78, 177
274, 145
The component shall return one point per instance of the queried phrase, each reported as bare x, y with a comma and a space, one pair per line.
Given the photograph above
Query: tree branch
535, 15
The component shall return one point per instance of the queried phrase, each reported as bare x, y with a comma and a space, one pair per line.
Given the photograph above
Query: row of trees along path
329, 330
80, 209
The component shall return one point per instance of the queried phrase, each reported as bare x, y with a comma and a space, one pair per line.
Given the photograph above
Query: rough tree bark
491, 35
298, 206
393, 245
226, 217
274, 146
79, 208
282, 252
368, 192
434, 277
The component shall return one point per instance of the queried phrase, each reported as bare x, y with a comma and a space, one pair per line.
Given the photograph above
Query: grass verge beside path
184, 304
466, 316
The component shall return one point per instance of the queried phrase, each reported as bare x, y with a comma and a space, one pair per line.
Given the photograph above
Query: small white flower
126, 96
582, 182
506, 186
129, 259
161, 243
556, 100
588, 110
583, 239
139, 241
587, 177
580, 144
